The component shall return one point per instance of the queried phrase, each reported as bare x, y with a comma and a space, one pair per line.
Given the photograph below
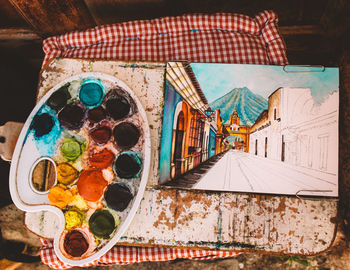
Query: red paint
91, 185
96, 115
101, 135
102, 159
75, 244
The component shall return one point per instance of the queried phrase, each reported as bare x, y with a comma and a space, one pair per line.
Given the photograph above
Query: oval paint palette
84, 154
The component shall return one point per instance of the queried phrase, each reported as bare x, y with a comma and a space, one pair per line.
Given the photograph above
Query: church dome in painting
234, 118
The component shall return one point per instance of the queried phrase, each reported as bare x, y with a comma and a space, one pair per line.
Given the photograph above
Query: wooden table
199, 219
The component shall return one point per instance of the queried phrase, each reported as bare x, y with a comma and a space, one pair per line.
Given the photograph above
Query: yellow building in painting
234, 128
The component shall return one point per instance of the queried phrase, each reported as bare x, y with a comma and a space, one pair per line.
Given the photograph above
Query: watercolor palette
84, 154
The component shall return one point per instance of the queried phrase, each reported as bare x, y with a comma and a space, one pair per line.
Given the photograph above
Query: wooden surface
8, 139
54, 17
197, 219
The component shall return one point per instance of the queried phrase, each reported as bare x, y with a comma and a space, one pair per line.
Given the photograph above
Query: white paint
178, 109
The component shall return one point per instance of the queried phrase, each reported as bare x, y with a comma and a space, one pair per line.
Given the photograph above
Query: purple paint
72, 116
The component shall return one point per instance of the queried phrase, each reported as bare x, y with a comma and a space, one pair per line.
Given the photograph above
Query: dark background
316, 32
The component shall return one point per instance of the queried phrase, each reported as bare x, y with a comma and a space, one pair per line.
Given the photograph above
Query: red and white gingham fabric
125, 255
221, 38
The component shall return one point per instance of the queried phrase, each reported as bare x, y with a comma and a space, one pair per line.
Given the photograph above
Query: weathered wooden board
183, 218
54, 17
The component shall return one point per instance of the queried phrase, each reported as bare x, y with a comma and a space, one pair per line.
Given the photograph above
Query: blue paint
219, 79
171, 99
42, 124
46, 143
211, 144
91, 92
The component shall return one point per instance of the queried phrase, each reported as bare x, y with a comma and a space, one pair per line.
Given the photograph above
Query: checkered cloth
125, 255
223, 38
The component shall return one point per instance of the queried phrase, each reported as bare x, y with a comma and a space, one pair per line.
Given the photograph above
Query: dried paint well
102, 159
91, 92
101, 135
118, 196
126, 135
42, 124
117, 106
127, 165
70, 149
72, 116
75, 243
66, 173
91, 185
97, 114
102, 224
59, 98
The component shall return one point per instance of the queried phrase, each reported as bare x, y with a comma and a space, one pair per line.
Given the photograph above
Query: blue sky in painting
218, 79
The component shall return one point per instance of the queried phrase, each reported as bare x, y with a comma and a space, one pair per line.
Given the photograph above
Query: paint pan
59, 98
126, 135
127, 165
101, 135
102, 224
72, 116
75, 243
118, 196
119, 104
91, 92
97, 114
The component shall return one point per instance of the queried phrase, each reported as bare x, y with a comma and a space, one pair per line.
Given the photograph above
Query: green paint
59, 98
71, 149
102, 224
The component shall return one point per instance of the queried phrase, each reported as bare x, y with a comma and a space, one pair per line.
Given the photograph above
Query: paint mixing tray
84, 154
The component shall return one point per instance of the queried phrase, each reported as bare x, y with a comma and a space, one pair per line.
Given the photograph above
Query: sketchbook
251, 128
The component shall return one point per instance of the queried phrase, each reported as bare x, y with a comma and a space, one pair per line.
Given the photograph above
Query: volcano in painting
251, 128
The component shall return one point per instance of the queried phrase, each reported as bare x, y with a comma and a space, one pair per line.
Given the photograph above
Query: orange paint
91, 185
102, 159
187, 120
60, 197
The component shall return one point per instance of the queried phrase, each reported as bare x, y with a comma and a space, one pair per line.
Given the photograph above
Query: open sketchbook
251, 128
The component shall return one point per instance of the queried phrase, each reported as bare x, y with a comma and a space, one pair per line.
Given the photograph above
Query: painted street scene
250, 128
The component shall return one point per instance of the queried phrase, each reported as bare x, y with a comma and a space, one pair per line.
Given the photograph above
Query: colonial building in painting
189, 135
297, 131
221, 133
238, 131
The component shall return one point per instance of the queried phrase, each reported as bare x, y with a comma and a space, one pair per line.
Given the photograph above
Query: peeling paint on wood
199, 219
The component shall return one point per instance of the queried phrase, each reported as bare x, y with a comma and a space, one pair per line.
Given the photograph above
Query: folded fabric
125, 255
222, 38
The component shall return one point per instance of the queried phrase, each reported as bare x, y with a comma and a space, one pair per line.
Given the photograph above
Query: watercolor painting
251, 128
